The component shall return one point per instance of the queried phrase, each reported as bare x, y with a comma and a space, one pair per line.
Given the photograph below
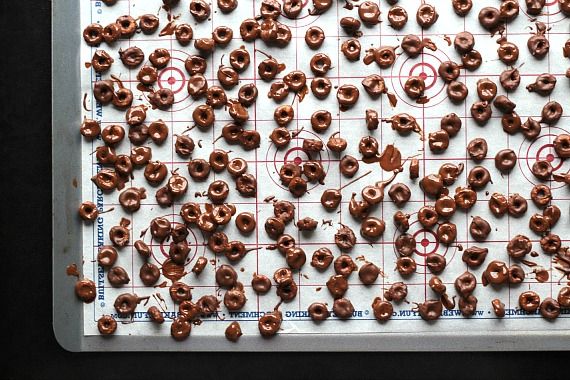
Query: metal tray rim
68, 312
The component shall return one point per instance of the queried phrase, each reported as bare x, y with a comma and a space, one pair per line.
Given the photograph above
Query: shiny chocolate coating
447, 233
490, 18
127, 26
322, 258
397, 17
234, 299
414, 87
505, 160
498, 204
406, 265
103, 91
199, 169
541, 195
199, 265
348, 166
369, 12
270, 323
496, 273
543, 85
432, 184
481, 112
519, 246
372, 228
450, 172
464, 42
504, 104
445, 206
351, 49
508, 52
451, 123
462, 7
510, 79
397, 292
226, 276
125, 304
331, 198
184, 145
148, 23
93, 34
549, 308
414, 168
562, 145
438, 141
131, 57
107, 325
430, 309
474, 256
479, 229
90, 129
260, 283
478, 177
342, 308
101, 61
314, 37
233, 331
551, 112
529, 301
465, 284
318, 311
426, 15
347, 96
427, 216
517, 205
307, 224
511, 123
345, 238
486, 89
448, 71
337, 286
85, 290
471, 61
468, 305
400, 194
149, 274
465, 197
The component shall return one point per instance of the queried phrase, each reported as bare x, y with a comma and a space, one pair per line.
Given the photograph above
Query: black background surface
25, 260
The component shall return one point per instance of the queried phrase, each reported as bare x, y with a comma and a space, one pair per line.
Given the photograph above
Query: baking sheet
265, 162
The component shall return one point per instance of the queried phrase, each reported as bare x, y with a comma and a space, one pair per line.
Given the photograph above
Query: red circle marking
399, 76
297, 160
444, 248
547, 12
549, 157
425, 242
193, 244
273, 152
172, 76
301, 17
423, 73
527, 158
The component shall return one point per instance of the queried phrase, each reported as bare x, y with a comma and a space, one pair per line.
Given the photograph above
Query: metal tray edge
67, 316
68, 311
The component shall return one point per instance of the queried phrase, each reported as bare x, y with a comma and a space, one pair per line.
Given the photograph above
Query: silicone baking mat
265, 162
